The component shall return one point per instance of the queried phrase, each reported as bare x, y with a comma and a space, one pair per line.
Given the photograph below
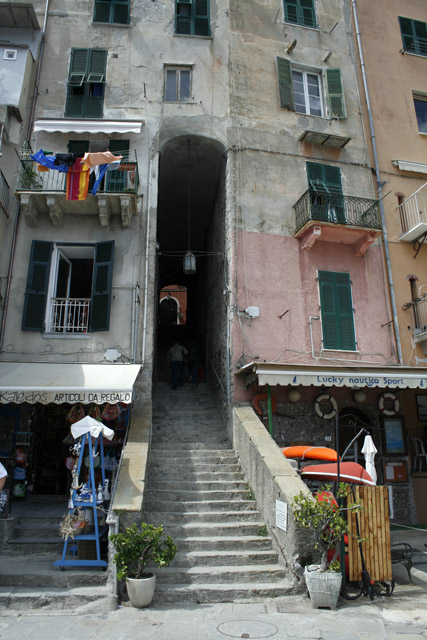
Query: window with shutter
112, 11
86, 81
414, 36
336, 311
300, 12
69, 288
33, 318
192, 17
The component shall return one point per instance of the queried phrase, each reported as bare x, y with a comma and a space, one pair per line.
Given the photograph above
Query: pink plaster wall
276, 275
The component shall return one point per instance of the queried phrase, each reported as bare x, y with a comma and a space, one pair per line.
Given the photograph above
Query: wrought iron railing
69, 315
32, 177
413, 210
4, 192
318, 206
418, 307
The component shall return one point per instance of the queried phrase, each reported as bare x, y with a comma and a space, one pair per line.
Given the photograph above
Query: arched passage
191, 217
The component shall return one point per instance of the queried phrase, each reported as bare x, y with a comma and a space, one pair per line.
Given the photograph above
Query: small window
307, 87
300, 12
420, 104
414, 36
192, 17
177, 84
86, 81
10, 54
112, 11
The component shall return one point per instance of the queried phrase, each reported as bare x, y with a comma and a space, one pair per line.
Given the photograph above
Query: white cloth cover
369, 450
92, 426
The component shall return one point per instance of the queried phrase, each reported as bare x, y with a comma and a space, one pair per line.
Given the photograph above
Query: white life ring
381, 404
318, 408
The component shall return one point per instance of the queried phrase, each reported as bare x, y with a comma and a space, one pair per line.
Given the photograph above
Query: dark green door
326, 193
116, 181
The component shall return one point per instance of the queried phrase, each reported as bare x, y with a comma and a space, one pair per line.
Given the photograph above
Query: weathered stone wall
272, 477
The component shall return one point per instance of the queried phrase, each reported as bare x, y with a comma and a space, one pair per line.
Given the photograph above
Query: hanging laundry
100, 158
48, 162
67, 159
100, 173
77, 182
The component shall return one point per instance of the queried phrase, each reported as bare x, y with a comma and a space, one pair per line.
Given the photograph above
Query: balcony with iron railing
413, 215
335, 217
4, 193
40, 188
69, 315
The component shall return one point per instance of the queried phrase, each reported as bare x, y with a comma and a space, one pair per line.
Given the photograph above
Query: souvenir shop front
40, 402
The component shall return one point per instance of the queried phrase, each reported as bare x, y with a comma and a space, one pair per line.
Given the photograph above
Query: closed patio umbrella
369, 450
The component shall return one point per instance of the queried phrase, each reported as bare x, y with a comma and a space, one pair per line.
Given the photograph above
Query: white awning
381, 377
35, 382
62, 125
405, 165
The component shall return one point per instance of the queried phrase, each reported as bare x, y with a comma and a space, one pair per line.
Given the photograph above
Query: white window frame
87, 251
178, 69
421, 97
306, 72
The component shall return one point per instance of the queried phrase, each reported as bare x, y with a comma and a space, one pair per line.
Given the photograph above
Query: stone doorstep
27, 598
205, 593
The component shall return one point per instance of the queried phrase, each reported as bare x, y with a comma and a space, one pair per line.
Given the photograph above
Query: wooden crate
374, 525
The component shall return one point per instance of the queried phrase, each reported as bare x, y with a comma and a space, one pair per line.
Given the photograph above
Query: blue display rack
69, 543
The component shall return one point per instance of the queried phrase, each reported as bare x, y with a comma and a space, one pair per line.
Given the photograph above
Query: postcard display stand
91, 501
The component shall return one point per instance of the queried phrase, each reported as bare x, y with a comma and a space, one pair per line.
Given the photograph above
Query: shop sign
68, 397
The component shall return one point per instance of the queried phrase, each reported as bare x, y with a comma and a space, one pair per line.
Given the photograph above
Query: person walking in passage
176, 359
3, 476
194, 358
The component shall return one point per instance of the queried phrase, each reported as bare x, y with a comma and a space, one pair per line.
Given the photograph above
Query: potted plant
327, 519
136, 547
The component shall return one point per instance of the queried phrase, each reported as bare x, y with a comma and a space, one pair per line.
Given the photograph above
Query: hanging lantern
189, 266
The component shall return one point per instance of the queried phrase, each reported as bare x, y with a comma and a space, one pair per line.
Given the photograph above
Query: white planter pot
141, 591
323, 586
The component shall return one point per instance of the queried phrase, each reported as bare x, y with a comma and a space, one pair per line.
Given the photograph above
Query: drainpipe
147, 245
379, 186
311, 332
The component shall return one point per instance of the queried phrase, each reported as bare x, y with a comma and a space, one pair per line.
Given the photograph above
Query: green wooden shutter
284, 76
300, 12
95, 83
121, 12
336, 311
335, 93
33, 318
201, 18
291, 11
183, 13
307, 13
102, 11
326, 202
75, 103
101, 286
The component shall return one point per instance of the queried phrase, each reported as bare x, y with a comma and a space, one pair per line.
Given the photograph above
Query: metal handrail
413, 210
317, 205
4, 193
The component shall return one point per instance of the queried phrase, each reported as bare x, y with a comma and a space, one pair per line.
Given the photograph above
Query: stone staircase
197, 490
30, 545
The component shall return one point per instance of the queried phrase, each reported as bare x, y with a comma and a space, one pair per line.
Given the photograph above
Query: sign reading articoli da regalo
44, 396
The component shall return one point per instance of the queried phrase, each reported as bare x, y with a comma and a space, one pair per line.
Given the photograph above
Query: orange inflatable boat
305, 452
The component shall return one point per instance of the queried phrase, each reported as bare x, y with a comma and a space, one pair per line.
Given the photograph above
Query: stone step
224, 558
199, 456
223, 543
54, 599
35, 532
220, 574
14, 572
202, 517
214, 485
213, 529
196, 476
162, 495
164, 467
201, 507
179, 446
32, 546
205, 593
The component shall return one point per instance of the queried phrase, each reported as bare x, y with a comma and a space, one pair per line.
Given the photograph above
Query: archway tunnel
190, 226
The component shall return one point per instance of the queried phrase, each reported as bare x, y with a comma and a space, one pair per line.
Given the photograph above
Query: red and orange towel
77, 182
